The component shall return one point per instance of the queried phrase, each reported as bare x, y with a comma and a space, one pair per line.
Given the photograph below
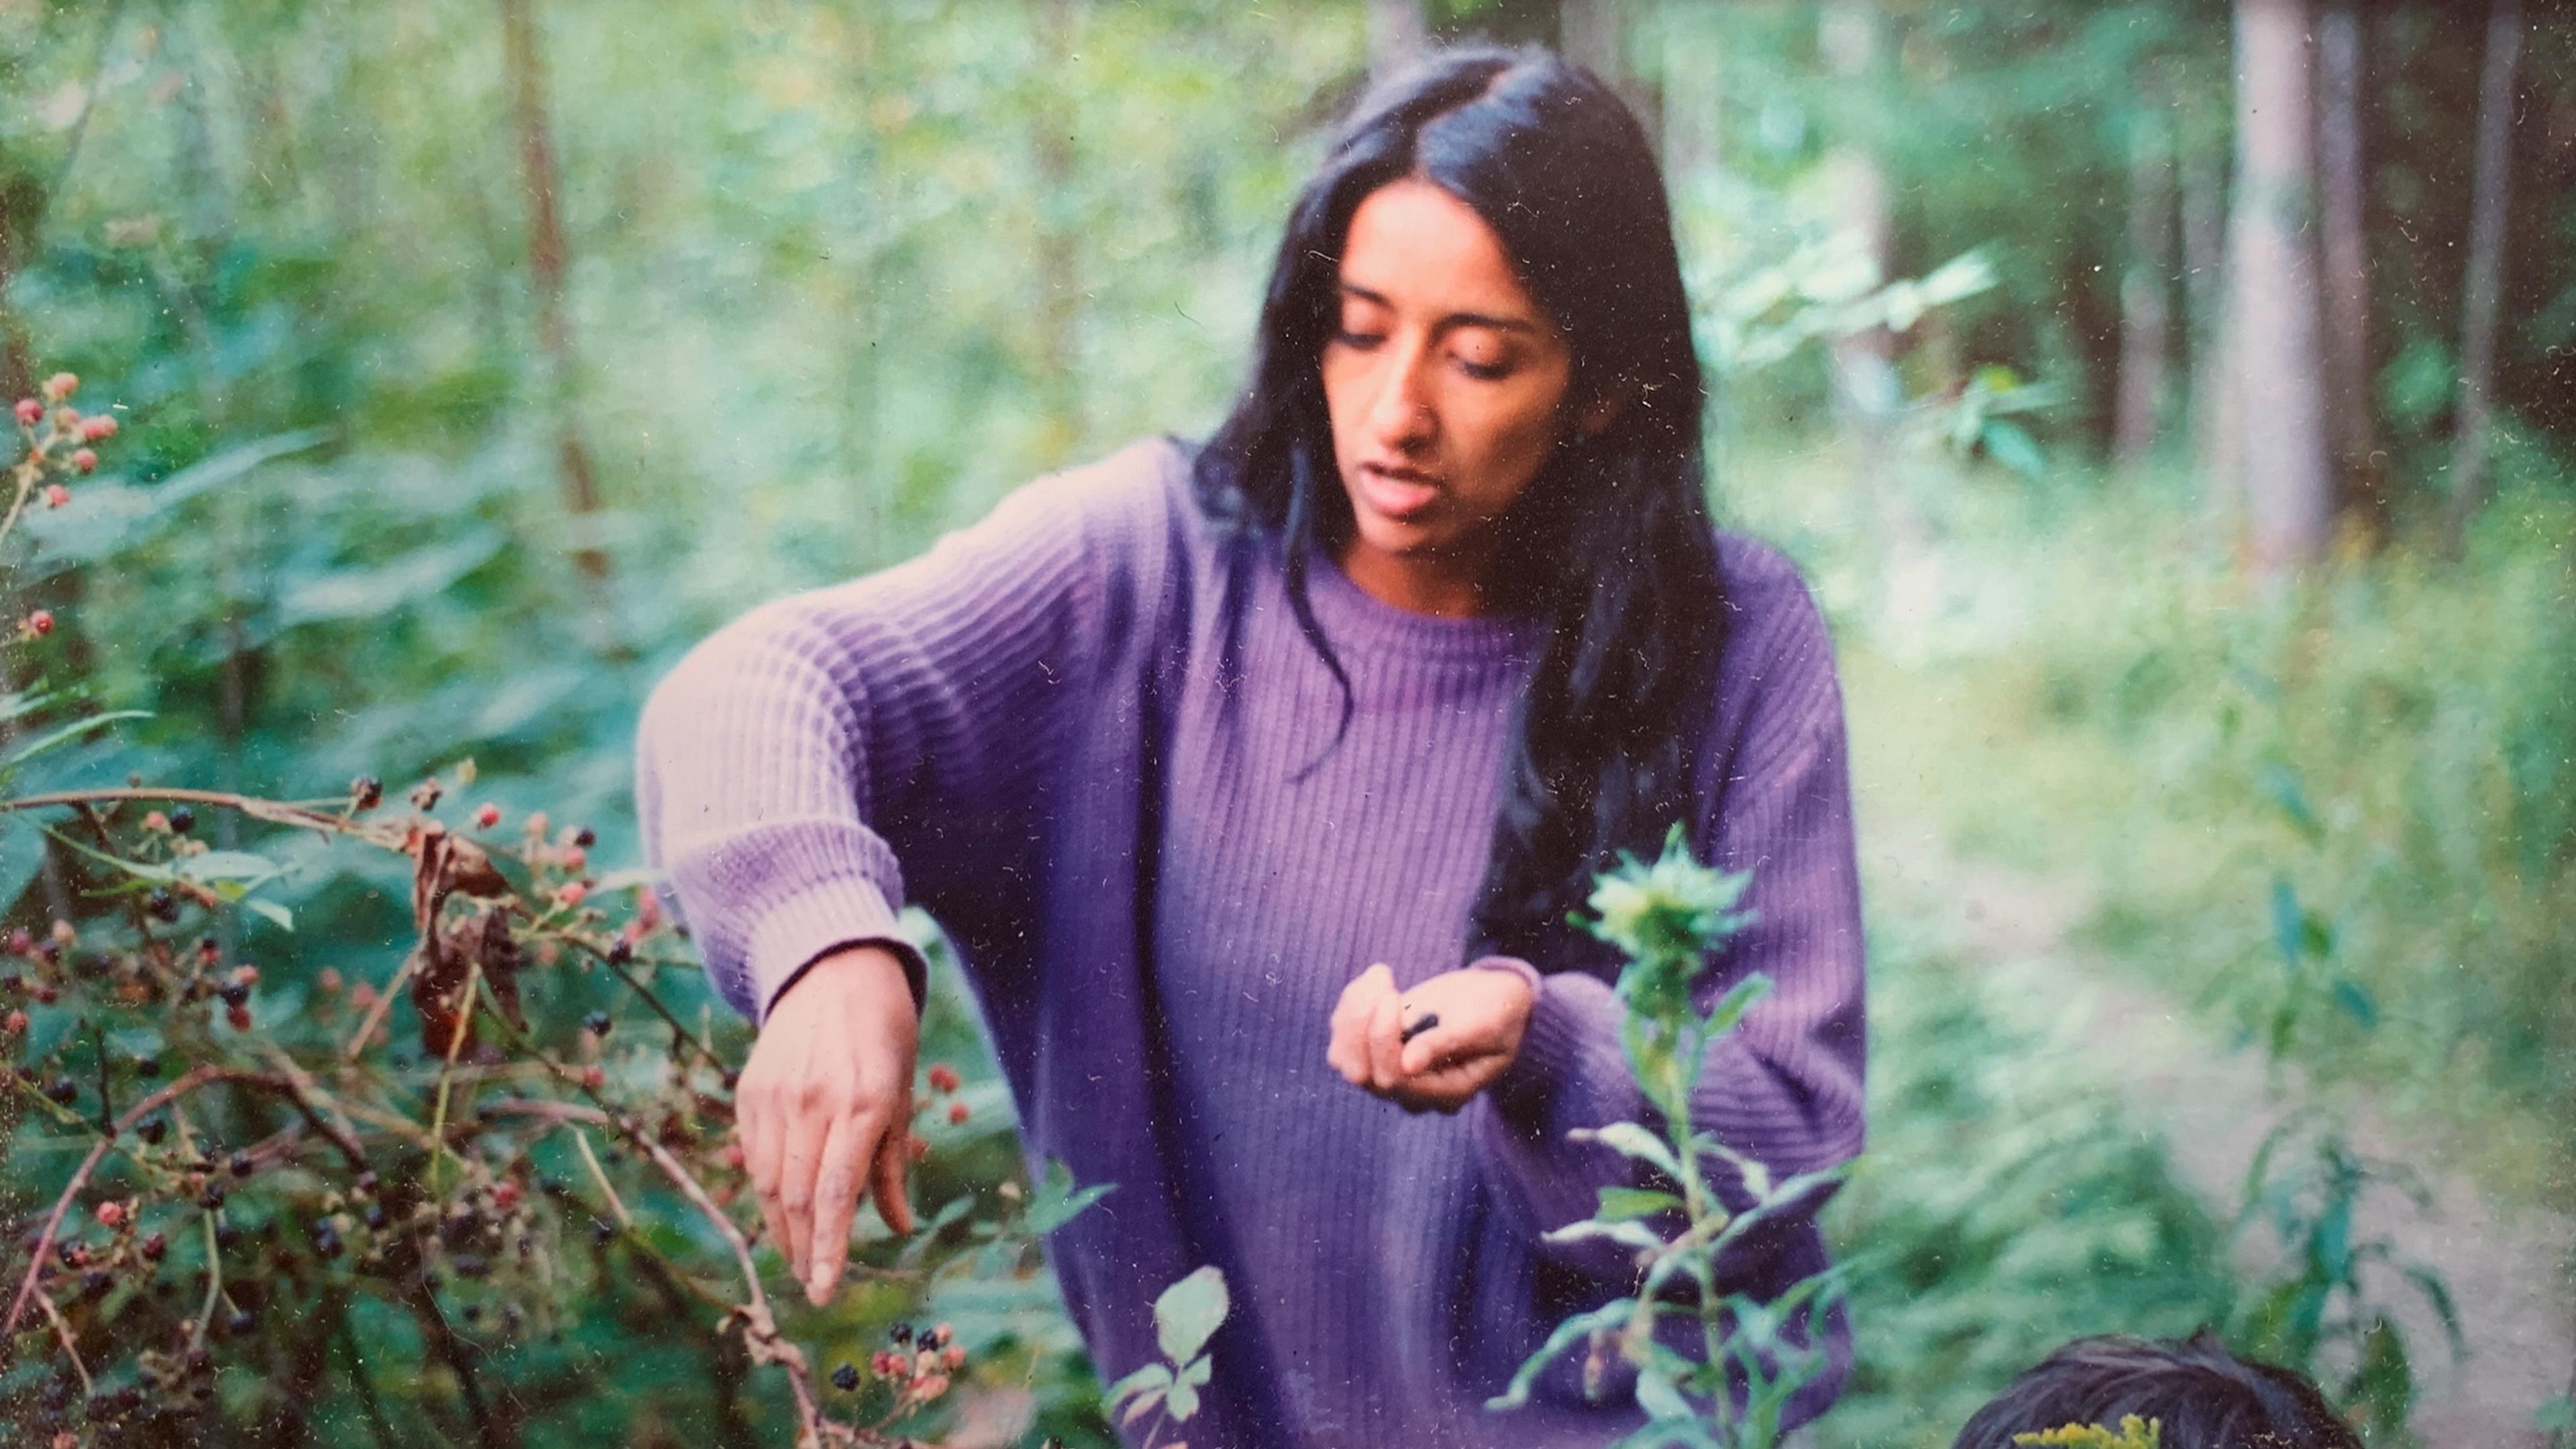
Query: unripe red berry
61, 385
110, 1213
41, 622
953, 1357
487, 816
94, 428
593, 1078
14, 1023
505, 1195
572, 893
943, 1077
56, 495
574, 858
238, 1016
64, 933
30, 412
957, 1114
327, 979
84, 460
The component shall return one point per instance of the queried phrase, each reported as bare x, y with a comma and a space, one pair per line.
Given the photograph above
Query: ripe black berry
901, 1333
845, 1378
147, 1067
233, 993
64, 1090
240, 1322
621, 951
584, 838
183, 820
212, 1198
473, 1313
226, 1235
326, 1241
153, 1130
241, 1164
366, 792
163, 905
596, 1023
376, 1218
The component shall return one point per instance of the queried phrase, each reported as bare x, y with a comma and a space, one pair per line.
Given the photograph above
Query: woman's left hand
1482, 1016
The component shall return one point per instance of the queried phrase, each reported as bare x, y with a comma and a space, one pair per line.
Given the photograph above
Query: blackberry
153, 1130
585, 838
147, 1067
63, 1090
596, 1023
183, 820
846, 1378
163, 905
241, 1164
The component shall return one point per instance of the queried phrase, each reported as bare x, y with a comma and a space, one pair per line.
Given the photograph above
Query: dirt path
2214, 1106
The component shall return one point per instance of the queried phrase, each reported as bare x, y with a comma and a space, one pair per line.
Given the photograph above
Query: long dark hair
1611, 544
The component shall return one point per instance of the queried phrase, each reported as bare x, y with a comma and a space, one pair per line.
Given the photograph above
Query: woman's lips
1396, 493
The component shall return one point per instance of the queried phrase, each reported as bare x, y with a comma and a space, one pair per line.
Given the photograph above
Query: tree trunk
1398, 34
1848, 33
1059, 258
2217, 411
2145, 308
523, 60
2276, 307
1594, 35
2361, 496
2483, 291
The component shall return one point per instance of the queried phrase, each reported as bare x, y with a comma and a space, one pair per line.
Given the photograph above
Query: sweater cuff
1562, 1044
822, 919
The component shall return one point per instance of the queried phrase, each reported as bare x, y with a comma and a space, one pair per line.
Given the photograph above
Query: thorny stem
63, 1331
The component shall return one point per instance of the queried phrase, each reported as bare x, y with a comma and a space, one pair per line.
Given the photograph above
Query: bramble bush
250, 1194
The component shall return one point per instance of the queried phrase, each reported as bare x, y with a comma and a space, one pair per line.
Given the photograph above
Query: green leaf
1198, 1370
1657, 1395
1182, 1401
1632, 1140
1188, 1312
68, 733
1150, 1380
2011, 445
1619, 1204
271, 911
1627, 1235
1055, 1202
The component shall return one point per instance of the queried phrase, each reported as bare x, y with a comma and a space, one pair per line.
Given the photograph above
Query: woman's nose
1402, 415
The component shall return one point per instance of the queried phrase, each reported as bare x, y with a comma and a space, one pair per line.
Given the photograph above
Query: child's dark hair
2201, 1395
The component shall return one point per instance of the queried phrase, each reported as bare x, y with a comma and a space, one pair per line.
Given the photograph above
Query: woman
1229, 770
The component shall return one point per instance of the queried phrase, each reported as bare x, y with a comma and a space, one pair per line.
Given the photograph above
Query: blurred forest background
2173, 402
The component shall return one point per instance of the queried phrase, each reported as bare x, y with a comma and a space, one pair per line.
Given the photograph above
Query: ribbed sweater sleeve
791, 759
1785, 1088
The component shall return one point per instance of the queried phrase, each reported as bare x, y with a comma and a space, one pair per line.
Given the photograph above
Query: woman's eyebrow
1453, 319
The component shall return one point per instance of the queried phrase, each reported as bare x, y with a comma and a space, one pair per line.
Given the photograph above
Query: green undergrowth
2005, 1203
2335, 819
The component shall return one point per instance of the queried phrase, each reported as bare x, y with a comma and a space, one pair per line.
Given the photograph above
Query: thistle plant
1667, 918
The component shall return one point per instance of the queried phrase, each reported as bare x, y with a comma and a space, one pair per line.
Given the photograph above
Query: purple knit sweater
1083, 744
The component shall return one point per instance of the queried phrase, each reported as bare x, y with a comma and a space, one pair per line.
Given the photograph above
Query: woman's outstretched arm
798, 764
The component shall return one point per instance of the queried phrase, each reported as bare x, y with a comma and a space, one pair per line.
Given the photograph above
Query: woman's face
1447, 390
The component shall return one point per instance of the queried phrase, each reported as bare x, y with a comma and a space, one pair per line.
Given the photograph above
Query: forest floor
2215, 1105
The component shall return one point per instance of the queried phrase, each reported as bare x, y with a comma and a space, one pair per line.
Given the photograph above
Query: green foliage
1186, 1315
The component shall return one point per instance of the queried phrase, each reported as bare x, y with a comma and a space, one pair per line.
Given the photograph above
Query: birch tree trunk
2275, 306
523, 62
2341, 154
2483, 292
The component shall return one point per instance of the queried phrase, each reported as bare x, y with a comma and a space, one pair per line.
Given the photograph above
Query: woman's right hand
826, 1100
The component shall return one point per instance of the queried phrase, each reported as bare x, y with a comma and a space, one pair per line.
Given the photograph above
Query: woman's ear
1603, 407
